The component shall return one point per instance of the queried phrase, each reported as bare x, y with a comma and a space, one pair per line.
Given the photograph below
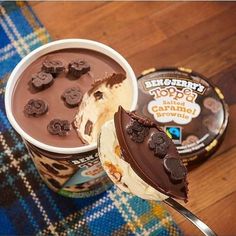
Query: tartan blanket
27, 206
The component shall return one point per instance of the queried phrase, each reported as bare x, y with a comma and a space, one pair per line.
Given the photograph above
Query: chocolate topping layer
101, 66
115, 79
111, 80
169, 179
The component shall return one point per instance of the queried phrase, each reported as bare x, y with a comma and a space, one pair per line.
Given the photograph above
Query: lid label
172, 104
199, 88
186, 106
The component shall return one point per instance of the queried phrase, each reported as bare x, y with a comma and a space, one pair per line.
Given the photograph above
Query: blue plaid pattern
27, 206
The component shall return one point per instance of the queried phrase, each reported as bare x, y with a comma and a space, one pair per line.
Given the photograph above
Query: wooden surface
201, 36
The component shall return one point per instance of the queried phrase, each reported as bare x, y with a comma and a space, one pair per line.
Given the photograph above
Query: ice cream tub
70, 170
187, 106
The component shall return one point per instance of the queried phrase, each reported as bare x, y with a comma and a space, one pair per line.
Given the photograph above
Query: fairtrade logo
175, 133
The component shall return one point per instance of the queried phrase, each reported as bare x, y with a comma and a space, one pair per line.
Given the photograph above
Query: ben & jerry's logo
179, 83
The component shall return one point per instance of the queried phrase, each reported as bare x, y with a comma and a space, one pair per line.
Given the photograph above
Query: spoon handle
190, 216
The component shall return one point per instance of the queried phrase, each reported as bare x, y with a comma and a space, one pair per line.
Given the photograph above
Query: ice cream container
74, 171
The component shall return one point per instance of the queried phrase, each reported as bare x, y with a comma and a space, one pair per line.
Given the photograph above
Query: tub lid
187, 106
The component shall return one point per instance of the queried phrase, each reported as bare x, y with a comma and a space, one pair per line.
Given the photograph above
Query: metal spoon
191, 217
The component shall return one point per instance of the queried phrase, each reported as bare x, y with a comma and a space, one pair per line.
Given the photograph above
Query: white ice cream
119, 170
101, 110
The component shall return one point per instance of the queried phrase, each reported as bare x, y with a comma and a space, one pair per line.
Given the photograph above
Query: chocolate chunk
78, 67
41, 80
53, 66
88, 127
49, 168
176, 169
35, 107
115, 79
54, 183
59, 166
59, 127
72, 96
137, 131
159, 143
98, 95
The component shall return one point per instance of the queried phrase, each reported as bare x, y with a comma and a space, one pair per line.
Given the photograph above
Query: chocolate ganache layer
51, 88
151, 154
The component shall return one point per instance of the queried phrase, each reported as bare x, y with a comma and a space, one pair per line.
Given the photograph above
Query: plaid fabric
27, 206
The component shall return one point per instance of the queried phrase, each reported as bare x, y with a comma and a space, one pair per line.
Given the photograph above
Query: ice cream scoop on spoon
141, 159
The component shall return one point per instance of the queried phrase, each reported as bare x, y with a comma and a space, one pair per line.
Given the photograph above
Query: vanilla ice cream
119, 170
99, 105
